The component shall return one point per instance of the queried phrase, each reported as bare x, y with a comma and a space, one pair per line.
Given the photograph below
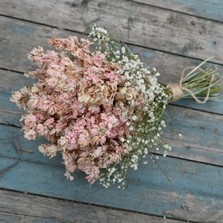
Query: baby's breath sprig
148, 122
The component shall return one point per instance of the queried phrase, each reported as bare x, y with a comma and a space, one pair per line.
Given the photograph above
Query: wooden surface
26, 208
211, 10
139, 24
169, 35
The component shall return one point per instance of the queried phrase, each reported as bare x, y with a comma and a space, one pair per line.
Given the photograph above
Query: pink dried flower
30, 134
75, 106
48, 150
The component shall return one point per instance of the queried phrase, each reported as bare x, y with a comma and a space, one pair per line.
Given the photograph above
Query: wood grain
148, 190
27, 208
10, 82
195, 135
15, 46
134, 23
209, 9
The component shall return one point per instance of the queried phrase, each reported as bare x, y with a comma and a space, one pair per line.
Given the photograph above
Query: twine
178, 88
176, 91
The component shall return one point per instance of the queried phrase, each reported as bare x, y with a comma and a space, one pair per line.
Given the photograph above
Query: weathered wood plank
16, 218
17, 38
27, 208
15, 46
148, 190
194, 125
134, 23
210, 9
10, 82
14, 145
201, 138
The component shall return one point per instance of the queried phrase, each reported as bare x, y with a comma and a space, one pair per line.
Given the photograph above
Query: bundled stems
199, 83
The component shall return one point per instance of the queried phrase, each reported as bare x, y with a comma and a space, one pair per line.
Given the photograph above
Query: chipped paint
148, 54
20, 29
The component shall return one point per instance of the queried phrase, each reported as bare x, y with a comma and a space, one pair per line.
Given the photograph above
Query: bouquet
100, 107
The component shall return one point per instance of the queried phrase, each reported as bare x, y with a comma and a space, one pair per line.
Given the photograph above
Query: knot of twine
178, 88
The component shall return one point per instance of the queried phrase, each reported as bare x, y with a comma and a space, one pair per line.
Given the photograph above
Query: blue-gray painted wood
199, 186
10, 82
210, 9
201, 138
19, 44
195, 126
19, 218
13, 145
134, 23
201, 132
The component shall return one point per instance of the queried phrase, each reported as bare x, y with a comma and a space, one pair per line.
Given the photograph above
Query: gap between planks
207, 9
85, 35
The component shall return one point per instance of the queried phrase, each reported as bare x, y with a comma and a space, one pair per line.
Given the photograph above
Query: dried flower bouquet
100, 107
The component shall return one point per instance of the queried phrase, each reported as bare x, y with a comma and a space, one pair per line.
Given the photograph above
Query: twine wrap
177, 91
